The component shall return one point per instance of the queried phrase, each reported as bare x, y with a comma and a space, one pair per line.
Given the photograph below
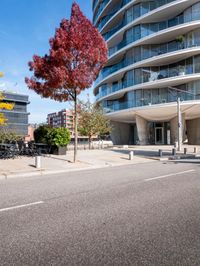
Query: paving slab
87, 159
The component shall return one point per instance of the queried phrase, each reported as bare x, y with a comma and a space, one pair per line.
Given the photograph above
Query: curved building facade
154, 59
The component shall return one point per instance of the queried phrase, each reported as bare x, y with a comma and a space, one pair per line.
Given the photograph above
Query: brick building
63, 118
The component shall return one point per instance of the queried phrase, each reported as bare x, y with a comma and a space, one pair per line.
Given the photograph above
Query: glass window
146, 52
197, 64
136, 33
189, 65
173, 70
115, 86
153, 28
144, 30
162, 25
153, 5
131, 98
155, 96
129, 79
163, 95
172, 46
138, 97
146, 74
147, 97
197, 37
172, 22
144, 8
137, 54
181, 67
197, 88
163, 72
154, 73
162, 49
189, 39
129, 35
196, 11
188, 15
129, 15
138, 76
154, 49
136, 11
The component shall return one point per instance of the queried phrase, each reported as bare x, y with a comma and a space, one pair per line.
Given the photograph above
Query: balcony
139, 10
154, 51
151, 97
100, 9
105, 19
145, 75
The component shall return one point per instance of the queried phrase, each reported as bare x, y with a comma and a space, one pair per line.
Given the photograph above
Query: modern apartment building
154, 59
63, 118
17, 119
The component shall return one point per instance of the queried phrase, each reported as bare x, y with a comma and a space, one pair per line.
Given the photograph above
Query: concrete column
142, 130
174, 129
193, 131
120, 133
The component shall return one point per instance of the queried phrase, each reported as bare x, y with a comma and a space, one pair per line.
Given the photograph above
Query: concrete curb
43, 172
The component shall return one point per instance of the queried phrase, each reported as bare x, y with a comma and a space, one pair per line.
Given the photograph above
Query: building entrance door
159, 135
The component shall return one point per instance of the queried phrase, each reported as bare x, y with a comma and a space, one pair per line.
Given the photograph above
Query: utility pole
179, 115
180, 127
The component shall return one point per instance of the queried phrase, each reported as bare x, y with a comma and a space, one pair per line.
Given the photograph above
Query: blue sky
25, 29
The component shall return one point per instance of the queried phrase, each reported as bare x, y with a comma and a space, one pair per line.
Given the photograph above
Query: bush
41, 134
59, 137
7, 135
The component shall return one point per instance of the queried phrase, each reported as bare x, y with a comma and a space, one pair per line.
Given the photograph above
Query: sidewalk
52, 164
86, 160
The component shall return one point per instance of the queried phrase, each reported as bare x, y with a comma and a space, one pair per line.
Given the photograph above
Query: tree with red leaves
77, 54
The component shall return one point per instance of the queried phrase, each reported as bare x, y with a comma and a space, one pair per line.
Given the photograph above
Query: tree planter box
59, 150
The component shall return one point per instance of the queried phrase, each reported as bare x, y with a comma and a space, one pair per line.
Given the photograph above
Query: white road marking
173, 174
21, 206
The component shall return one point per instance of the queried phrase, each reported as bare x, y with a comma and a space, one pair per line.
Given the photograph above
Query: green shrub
41, 134
59, 137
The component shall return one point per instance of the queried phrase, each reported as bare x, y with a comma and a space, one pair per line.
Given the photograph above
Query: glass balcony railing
95, 4
105, 19
140, 10
151, 97
146, 53
100, 9
143, 30
144, 75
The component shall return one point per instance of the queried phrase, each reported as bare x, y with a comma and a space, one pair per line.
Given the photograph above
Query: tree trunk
75, 127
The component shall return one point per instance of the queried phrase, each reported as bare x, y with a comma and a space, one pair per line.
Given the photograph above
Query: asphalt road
147, 214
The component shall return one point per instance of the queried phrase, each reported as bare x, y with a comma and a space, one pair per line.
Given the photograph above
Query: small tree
92, 121
41, 134
4, 106
59, 137
7, 135
77, 54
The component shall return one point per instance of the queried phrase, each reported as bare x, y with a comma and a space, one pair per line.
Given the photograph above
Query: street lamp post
180, 126
179, 116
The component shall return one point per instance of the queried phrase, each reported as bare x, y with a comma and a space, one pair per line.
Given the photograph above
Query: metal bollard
173, 151
131, 154
160, 153
176, 144
195, 149
38, 162
185, 151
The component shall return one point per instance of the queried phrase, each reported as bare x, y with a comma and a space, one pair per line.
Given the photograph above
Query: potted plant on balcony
181, 40
59, 138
